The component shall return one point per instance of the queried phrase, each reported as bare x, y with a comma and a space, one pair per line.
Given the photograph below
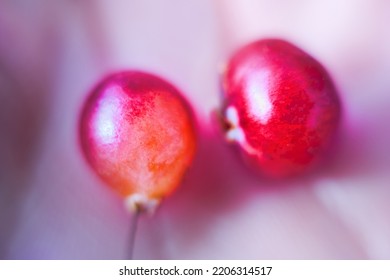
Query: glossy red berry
280, 106
137, 133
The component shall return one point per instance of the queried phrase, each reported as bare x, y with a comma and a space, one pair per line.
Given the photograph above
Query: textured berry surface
280, 106
137, 133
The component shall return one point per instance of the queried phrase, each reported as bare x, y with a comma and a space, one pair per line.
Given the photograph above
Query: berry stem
132, 232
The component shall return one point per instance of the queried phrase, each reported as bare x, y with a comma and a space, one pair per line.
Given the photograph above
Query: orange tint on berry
280, 105
137, 133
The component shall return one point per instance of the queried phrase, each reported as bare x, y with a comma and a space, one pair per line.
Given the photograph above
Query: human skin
53, 206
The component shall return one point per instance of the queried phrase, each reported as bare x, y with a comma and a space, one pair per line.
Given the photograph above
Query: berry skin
137, 133
280, 106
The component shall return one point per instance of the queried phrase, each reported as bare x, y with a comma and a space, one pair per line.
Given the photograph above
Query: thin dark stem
133, 231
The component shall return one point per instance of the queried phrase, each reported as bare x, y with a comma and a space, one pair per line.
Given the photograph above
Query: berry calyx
137, 133
280, 106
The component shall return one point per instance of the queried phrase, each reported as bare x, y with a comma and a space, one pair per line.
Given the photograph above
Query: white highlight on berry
106, 117
260, 104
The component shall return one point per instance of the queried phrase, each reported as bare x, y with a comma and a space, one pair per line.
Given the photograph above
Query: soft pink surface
52, 206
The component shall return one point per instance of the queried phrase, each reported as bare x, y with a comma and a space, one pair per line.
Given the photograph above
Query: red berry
138, 135
281, 106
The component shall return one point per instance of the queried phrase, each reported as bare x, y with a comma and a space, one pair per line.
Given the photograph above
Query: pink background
52, 206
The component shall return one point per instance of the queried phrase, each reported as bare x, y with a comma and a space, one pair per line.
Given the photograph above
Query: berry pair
280, 106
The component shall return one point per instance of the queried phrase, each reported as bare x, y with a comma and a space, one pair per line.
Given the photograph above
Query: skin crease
52, 206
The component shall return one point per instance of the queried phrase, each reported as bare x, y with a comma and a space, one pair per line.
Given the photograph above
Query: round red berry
280, 106
137, 133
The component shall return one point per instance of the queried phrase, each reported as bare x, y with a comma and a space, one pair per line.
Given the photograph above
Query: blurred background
52, 206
